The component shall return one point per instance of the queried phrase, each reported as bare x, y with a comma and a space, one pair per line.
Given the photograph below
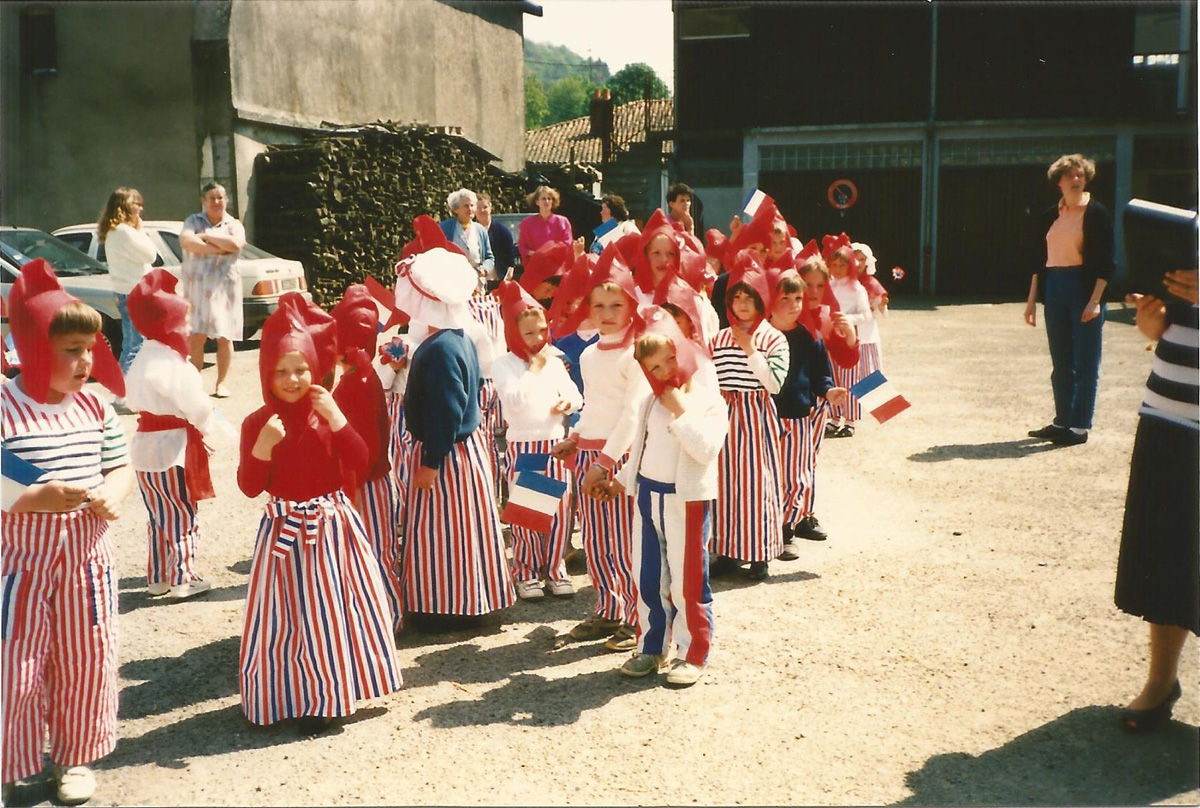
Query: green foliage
536, 107
551, 63
568, 99
629, 83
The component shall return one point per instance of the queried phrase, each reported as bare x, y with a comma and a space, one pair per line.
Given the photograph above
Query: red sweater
308, 462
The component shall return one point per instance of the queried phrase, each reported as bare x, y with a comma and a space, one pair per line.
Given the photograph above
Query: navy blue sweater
441, 402
809, 374
502, 248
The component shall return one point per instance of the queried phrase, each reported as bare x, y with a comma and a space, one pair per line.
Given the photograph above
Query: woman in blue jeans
1072, 262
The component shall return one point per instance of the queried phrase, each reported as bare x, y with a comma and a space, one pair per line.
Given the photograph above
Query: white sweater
129, 254
852, 298
526, 398
162, 382
700, 432
615, 384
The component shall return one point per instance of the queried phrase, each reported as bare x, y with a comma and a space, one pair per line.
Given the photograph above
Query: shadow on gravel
529, 700
168, 683
240, 567
1001, 450
37, 790
1081, 758
738, 579
469, 664
133, 596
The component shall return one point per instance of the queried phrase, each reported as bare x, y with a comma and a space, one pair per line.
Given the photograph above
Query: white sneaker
530, 590
190, 588
561, 588
158, 588
76, 784
684, 674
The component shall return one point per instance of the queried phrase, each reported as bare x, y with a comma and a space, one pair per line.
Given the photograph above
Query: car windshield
23, 246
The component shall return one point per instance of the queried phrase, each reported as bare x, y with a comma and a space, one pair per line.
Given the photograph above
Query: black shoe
788, 532
1048, 432
719, 565
1069, 437
789, 552
313, 724
1137, 722
758, 571
846, 431
831, 430
809, 528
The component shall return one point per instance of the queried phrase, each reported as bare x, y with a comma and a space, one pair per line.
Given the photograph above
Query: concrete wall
118, 112
299, 62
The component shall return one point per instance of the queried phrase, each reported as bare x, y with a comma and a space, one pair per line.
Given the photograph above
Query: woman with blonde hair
547, 225
130, 254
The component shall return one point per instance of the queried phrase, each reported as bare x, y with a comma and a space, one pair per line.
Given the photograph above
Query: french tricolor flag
605, 234
533, 500
878, 397
753, 201
18, 474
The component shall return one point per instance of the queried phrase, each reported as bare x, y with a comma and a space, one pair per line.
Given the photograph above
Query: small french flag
18, 475
605, 234
533, 500
754, 201
877, 396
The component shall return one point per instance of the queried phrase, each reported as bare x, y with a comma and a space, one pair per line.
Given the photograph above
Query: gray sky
616, 31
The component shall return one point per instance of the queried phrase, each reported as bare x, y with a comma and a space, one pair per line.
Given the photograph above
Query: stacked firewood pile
342, 202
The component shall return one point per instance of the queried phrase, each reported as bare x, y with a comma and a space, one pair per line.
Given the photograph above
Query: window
172, 242
713, 23
39, 45
80, 241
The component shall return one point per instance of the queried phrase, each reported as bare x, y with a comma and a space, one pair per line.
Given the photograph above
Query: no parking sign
842, 194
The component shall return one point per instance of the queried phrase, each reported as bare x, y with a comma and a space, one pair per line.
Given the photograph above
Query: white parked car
264, 276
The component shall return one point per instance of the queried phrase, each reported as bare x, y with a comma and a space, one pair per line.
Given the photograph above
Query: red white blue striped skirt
399, 444
59, 640
453, 551
379, 506
748, 524
172, 529
800, 441
607, 532
535, 555
491, 421
868, 363
318, 632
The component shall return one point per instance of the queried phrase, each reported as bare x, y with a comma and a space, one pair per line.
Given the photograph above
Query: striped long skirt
538, 555
671, 560
379, 506
868, 363
59, 640
490, 423
399, 444
318, 632
607, 533
172, 529
749, 521
800, 442
453, 552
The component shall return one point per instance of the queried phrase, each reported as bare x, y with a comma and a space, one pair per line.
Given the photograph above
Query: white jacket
701, 432
129, 254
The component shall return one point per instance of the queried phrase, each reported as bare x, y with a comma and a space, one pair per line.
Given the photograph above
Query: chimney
600, 113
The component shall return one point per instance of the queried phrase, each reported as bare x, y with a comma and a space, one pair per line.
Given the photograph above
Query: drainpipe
929, 177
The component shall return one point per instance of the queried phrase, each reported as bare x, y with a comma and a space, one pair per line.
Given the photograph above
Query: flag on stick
878, 397
533, 500
754, 201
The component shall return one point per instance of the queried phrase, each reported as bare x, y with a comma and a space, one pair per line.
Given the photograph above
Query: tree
536, 108
629, 83
568, 98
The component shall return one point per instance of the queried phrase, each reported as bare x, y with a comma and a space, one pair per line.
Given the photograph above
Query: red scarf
548, 261
513, 300
611, 268
688, 354
573, 287
747, 270
683, 297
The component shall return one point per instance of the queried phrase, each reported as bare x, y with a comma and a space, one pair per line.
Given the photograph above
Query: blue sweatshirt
572, 347
809, 374
441, 401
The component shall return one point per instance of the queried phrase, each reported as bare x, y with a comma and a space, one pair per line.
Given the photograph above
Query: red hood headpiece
35, 298
428, 236
357, 322
831, 244
573, 287
688, 354
611, 268
746, 269
657, 225
158, 313
296, 325
682, 296
758, 230
717, 245
514, 300
550, 260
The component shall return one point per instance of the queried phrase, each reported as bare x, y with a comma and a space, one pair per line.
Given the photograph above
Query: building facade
937, 121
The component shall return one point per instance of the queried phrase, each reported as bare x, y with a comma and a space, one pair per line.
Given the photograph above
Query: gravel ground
954, 642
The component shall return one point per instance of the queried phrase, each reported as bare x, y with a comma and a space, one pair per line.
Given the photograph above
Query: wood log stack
342, 202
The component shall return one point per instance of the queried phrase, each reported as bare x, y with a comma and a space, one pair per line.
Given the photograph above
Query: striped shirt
75, 441
765, 370
1173, 389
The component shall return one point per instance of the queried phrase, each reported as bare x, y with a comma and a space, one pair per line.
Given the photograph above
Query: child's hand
425, 477
564, 450
735, 224
269, 436
837, 396
577, 246
595, 483
561, 407
672, 399
54, 496
1183, 283
843, 326
104, 505
1151, 317
743, 338
394, 353
324, 406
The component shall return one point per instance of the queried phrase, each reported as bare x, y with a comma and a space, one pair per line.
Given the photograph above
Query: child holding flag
536, 394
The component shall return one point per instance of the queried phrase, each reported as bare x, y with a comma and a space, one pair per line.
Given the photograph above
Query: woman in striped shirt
1158, 571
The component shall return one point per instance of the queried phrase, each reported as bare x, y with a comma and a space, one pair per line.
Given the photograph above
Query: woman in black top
1072, 261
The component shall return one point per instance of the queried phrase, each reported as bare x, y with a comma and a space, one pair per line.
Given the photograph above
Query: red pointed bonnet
688, 354
611, 268
357, 319
758, 230
514, 300
158, 313
550, 260
296, 325
746, 269
574, 286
